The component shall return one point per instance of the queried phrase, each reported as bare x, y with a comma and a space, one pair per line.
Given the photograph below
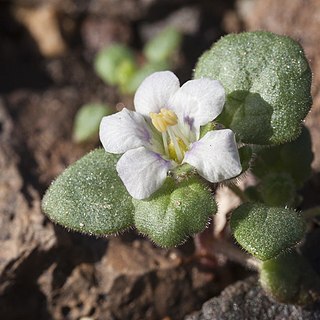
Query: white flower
164, 132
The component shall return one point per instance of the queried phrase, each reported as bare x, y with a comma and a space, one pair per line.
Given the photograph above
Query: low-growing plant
161, 164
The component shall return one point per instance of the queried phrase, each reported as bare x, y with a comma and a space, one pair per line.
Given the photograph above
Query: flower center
177, 150
174, 141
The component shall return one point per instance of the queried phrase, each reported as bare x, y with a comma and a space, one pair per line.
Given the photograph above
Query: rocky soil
46, 54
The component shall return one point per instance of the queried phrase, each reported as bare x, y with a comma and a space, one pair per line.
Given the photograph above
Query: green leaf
87, 121
175, 212
267, 80
207, 128
89, 196
290, 279
265, 232
114, 64
164, 45
294, 158
125, 72
245, 153
278, 189
253, 194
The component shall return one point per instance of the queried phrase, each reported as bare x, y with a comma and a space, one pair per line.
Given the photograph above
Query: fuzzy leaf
267, 80
294, 158
265, 232
253, 194
175, 212
278, 189
290, 279
89, 196
245, 153
87, 121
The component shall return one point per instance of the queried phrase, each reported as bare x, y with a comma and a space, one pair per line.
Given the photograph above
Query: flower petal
198, 101
155, 91
142, 172
215, 156
123, 131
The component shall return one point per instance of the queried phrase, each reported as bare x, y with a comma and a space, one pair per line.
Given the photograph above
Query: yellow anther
169, 113
165, 118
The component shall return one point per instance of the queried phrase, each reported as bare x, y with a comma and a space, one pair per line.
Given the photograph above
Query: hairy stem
209, 246
234, 254
238, 192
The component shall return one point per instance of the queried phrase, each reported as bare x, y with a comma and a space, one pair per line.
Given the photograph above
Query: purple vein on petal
189, 121
144, 134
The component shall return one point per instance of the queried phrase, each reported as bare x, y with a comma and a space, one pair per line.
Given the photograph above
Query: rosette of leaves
267, 80
89, 197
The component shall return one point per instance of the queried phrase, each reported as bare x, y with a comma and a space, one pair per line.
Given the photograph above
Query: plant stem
235, 254
237, 191
209, 246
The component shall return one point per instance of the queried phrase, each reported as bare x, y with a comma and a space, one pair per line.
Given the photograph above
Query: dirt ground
46, 75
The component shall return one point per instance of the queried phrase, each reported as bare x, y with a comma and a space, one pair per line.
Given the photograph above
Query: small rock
129, 282
42, 23
24, 232
247, 300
